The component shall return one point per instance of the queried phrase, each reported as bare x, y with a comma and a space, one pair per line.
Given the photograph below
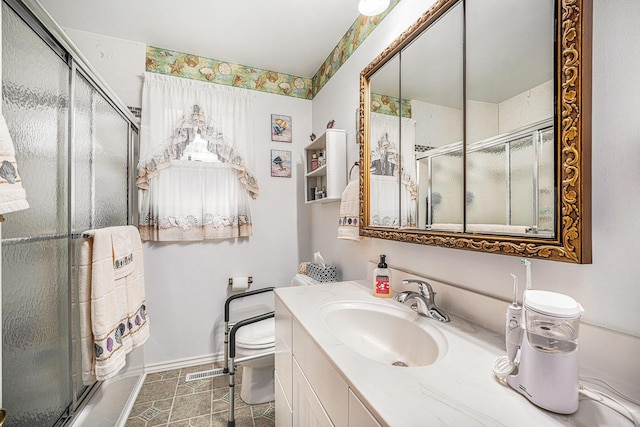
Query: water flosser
514, 319
527, 265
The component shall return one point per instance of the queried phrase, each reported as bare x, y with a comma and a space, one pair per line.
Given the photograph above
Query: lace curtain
195, 177
390, 161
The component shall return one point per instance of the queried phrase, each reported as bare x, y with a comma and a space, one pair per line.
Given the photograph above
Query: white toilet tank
303, 280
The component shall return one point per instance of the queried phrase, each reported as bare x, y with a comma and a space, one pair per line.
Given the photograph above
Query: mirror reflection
509, 117
385, 195
461, 124
432, 79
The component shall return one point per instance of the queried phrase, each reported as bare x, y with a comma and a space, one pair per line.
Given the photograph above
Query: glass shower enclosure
74, 146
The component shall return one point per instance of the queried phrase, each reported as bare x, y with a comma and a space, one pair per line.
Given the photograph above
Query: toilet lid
257, 335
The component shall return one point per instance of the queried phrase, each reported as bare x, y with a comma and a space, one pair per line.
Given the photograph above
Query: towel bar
80, 235
354, 165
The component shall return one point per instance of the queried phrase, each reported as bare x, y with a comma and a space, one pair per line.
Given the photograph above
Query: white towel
12, 195
113, 316
348, 224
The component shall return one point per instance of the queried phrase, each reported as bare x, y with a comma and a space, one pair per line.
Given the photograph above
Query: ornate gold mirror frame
573, 148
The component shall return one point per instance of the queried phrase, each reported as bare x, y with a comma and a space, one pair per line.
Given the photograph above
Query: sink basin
386, 334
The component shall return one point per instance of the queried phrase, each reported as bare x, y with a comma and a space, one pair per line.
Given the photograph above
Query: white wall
531, 106
609, 289
186, 283
482, 120
118, 62
436, 125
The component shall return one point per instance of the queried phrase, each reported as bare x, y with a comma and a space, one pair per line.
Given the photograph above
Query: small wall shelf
327, 182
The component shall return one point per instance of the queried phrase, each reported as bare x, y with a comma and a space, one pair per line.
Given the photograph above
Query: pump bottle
382, 279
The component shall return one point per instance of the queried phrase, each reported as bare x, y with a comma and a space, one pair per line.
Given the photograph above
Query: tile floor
166, 399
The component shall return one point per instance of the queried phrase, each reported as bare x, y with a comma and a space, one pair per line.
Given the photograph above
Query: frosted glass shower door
100, 181
100, 160
36, 381
445, 203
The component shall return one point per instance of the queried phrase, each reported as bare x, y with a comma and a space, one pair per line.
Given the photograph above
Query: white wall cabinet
309, 390
326, 182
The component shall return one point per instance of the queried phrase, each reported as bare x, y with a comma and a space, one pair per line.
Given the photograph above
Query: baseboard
183, 363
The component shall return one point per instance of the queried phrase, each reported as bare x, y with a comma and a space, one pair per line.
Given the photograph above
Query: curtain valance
195, 171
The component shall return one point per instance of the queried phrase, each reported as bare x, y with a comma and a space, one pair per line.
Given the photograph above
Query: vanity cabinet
310, 392
283, 365
326, 182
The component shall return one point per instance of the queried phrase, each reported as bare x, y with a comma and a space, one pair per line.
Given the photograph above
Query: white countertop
458, 390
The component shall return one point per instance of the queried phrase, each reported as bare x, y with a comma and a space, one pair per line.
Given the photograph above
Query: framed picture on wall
281, 163
281, 128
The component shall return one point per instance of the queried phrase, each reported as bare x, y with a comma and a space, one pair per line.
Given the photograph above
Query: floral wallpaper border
352, 39
165, 61
389, 105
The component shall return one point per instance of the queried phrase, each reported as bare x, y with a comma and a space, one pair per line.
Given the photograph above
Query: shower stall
75, 147
509, 184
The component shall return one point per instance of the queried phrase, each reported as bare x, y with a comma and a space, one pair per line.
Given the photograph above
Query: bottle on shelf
314, 162
321, 159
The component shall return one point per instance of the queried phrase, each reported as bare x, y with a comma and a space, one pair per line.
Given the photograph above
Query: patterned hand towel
122, 252
113, 317
12, 195
348, 223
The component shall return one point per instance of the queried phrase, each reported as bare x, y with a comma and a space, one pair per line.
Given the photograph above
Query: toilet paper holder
249, 280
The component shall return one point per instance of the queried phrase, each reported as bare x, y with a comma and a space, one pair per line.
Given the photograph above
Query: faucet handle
425, 288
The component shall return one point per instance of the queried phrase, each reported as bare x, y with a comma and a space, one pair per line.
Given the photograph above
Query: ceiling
287, 36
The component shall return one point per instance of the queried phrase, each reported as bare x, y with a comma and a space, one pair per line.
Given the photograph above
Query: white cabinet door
284, 414
307, 409
359, 415
284, 346
327, 383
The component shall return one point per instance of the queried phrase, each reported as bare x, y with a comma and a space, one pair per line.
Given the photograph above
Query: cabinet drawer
283, 326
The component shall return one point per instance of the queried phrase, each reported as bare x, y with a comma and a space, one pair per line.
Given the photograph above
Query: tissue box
326, 273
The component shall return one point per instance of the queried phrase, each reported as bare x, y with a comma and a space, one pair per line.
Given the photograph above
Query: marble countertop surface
458, 390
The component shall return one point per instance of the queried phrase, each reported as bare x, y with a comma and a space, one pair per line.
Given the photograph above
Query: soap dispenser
382, 279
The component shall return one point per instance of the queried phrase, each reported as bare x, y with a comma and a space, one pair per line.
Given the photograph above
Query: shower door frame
39, 21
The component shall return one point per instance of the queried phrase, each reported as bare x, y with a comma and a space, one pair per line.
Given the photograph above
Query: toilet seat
257, 336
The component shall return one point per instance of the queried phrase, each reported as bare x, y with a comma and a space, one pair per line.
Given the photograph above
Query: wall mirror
475, 130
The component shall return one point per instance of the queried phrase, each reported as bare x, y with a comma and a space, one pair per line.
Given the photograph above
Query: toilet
258, 338
257, 374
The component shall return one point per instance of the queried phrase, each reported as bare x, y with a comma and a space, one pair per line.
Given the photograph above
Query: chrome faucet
424, 302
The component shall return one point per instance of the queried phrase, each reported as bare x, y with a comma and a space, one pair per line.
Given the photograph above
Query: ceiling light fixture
372, 7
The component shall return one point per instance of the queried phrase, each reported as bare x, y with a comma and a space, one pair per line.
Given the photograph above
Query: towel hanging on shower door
113, 312
12, 195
